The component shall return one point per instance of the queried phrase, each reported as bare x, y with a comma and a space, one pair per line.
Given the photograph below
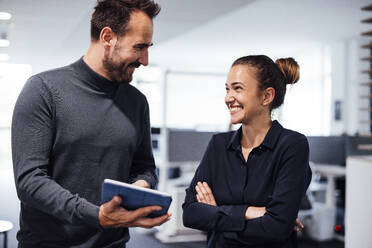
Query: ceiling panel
49, 33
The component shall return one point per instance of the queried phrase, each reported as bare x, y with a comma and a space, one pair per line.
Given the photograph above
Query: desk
331, 172
5, 227
324, 214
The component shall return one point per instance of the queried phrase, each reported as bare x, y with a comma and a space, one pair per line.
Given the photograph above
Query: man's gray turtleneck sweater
72, 129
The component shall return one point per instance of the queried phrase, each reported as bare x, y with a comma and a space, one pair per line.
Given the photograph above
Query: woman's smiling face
243, 97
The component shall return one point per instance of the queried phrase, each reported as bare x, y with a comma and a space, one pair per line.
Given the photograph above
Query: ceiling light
5, 16
4, 43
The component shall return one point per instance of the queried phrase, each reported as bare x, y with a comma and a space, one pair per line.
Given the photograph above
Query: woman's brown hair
269, 74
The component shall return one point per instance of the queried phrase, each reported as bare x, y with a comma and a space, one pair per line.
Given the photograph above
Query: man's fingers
113, 204
141, 183
132, 216
111, 214
160, 220
151, 222
117, 199
143, 212
109, 210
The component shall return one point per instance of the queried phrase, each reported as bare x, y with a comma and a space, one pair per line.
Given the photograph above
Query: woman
250, 182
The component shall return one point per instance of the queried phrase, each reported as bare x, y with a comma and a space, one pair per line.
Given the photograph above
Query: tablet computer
134, 197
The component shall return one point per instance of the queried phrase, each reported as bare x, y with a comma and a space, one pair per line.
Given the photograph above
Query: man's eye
139, 48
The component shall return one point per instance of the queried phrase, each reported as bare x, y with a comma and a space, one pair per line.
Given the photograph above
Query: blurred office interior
195, 43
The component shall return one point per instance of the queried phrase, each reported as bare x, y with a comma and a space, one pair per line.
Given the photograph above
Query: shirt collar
270, 140
93, 79
234, 142
272, 135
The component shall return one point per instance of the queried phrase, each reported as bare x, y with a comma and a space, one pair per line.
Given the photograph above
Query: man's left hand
141, 183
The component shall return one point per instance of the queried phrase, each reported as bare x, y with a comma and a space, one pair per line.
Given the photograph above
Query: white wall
329, 72
9, 206
306, 106
322, 35
12, 79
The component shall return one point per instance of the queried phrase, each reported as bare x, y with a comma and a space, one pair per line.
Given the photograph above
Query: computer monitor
187, 145
327, 149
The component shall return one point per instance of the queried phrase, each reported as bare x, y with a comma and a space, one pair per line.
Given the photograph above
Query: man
77, 125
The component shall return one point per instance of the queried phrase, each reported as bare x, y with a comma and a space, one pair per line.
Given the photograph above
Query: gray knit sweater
72, 129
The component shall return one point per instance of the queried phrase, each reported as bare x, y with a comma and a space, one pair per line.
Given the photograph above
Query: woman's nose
229, 98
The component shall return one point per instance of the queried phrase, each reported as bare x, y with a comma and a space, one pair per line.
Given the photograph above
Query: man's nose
144, 59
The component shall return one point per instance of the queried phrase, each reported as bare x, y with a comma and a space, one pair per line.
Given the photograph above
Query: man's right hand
111, 214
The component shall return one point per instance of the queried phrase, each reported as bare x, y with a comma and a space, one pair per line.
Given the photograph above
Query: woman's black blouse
276, 175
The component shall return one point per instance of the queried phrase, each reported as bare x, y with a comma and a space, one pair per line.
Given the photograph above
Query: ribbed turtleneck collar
95, 80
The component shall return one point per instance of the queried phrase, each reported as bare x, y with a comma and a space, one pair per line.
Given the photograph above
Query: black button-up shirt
275, 175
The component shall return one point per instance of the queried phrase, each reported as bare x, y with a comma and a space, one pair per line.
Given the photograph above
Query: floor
140, 240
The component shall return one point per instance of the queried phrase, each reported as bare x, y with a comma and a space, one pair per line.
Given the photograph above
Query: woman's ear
268, 96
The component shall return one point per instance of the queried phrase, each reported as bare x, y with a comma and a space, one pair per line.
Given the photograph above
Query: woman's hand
298, 225
254, 212
204, 194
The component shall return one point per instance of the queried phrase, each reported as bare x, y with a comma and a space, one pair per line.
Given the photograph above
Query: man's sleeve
33, 128
207, 217
143, 166
290, 185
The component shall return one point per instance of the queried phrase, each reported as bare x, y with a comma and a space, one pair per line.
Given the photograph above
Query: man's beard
118, 71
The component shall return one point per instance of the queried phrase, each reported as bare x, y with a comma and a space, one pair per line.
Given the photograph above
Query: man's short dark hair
115, 14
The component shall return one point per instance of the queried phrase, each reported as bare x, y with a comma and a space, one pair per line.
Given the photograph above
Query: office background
195, 43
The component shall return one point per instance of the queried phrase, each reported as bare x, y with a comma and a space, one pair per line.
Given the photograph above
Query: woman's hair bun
289, 68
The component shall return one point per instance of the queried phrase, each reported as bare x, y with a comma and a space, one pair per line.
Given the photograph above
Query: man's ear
268, 96
107, 37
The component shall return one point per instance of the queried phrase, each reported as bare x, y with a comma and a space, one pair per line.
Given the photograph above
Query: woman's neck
254, 132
